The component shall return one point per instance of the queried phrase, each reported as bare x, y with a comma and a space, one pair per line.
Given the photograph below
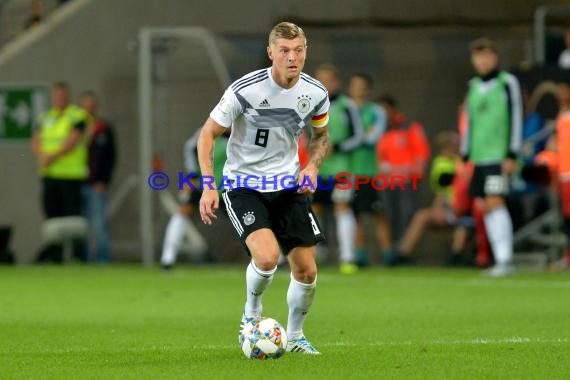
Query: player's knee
264, 249
492, 202
341, 206
306, 274
266, 262
266, 259
186, 210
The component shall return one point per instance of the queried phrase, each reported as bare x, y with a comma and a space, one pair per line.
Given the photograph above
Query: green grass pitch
126, 322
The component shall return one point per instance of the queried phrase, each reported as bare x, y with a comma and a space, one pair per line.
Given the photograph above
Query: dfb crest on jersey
248, 218
304, 104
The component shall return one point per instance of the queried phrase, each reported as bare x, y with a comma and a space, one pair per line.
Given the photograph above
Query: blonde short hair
286, 30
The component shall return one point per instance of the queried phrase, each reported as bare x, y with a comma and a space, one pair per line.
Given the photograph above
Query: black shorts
488, 180
287, 213
366, 199
329, 192
324, 191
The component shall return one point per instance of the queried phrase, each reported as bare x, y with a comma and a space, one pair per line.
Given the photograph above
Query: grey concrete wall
425, 67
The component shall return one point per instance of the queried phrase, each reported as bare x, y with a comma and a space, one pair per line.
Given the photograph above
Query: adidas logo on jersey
264, 103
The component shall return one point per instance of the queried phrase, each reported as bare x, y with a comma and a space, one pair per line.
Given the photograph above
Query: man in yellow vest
59, 144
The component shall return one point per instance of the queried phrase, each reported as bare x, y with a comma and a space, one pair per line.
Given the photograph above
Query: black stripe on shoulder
307, 76
253, 75
316, 84
247, 84
313, 81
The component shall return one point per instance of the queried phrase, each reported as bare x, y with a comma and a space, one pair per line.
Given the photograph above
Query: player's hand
509, 166
307, 181
209, 203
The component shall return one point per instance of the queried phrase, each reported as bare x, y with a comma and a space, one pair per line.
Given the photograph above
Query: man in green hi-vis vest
492, 141
59, 144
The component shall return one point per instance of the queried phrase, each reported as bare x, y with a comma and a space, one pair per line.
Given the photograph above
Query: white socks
256, 283
346, 232
499, 228
172, 239
299, 298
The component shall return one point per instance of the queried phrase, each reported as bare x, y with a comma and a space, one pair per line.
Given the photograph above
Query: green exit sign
20, 106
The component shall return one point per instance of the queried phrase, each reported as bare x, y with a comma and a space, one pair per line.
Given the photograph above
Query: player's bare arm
319, 148
210, 201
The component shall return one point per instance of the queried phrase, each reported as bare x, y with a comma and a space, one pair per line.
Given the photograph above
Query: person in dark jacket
101, 159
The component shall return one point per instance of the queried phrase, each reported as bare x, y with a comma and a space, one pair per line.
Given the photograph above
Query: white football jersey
266, 122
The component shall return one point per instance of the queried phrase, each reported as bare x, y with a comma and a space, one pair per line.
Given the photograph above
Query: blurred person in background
470, 211
367, 200
564, 59
563, 148
346, 133
403, 150
189, 198
59, 143
440, 213
37, 14
525, 199
101, 158
492, 142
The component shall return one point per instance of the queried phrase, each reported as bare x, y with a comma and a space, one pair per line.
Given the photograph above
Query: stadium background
416, 50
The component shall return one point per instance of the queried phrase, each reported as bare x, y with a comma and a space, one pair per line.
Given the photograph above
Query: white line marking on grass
476, 341
443, 342
407, 343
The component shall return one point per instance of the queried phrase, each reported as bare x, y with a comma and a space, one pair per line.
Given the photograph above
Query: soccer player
346, 134
180, 222
267, 193
366, 198
492, 141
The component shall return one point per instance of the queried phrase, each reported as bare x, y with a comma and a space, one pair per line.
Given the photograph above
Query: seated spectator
440, 213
